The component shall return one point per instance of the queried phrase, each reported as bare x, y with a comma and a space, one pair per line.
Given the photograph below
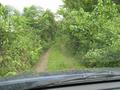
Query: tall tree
87, 5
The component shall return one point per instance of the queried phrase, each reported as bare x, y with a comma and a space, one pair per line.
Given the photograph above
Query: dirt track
42, 63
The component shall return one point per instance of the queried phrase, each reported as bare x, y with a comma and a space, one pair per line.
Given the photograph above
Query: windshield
44, 36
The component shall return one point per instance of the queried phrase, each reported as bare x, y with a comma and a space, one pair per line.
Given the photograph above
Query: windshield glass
40, 36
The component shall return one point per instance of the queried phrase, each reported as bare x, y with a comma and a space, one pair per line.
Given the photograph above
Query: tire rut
42, 63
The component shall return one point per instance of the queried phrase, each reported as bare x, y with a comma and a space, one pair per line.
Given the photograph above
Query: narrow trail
42, 63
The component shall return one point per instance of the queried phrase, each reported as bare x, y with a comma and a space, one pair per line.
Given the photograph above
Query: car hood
31, 80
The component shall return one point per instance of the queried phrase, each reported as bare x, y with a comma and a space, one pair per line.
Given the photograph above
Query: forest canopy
90, 30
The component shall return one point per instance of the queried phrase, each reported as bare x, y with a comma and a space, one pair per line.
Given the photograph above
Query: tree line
23, 36
90, 28
92, 31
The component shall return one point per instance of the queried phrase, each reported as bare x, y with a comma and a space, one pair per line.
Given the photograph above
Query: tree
43, 22
90, 34
23, 37
32, 15
87, 5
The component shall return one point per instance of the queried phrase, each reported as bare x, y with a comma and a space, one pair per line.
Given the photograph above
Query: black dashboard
97, 86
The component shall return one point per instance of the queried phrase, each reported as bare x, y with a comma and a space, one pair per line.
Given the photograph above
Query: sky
53, 5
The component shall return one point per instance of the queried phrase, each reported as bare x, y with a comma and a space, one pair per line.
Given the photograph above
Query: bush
94, 35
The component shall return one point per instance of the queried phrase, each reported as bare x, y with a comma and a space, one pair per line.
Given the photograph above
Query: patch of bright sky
53, 5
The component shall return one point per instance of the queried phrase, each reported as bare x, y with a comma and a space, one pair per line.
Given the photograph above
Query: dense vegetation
93, 33
23, 37
90, 30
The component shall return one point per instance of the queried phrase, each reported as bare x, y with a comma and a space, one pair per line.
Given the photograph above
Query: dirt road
42, 63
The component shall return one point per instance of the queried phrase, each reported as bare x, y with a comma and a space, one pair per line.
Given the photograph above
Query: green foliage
92, 35
44, 22
87, 5
23, 37
90, 30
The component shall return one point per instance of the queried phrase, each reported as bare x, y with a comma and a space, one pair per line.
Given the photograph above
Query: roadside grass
58, 61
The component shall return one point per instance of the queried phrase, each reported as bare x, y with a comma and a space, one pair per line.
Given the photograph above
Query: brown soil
42, 63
